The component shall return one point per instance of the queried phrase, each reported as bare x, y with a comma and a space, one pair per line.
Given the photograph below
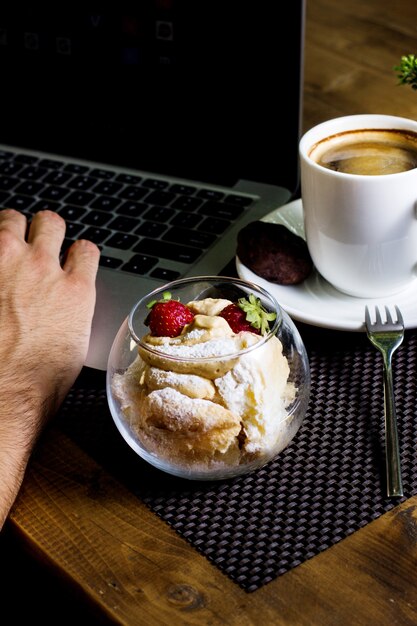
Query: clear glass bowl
209, 404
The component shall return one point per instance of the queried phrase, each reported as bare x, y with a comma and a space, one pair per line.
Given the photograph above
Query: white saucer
315, 301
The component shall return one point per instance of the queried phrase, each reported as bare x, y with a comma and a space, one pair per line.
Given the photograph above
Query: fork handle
393, 464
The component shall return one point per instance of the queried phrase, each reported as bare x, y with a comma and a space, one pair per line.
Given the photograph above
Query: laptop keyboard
143, 225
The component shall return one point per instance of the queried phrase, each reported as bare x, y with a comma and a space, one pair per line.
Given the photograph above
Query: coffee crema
369, 152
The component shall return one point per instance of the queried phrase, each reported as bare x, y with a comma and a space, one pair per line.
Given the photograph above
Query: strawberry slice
167, 317
247, 314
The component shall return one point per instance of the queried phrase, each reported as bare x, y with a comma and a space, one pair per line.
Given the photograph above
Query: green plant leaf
407, 70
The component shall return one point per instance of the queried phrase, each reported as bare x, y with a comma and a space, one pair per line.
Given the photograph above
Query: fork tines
388, 317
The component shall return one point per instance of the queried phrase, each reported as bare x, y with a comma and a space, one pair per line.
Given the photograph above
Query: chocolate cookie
274, 253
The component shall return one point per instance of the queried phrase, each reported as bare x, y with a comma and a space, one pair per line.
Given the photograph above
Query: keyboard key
99, 173
125, 224
186, 220
167, 250
105, 203
154, 183
80, 198
109, 261
6, 154
123, 241
239, 200
51, 164
214, 225
151, 229
32, 172
107, 188
160, 198
96, 218
54, 193
128, 179
73, 229
185, 203
45, 205
189, 237
132, 209
69, 212
183, 189
220, 209
76, 168
8, 182
96, 235
133, 193
57, 177
140, 264
81, 183
10, 167
29, 188
165, 274
158, 214
20, 203
210, 194
27, 159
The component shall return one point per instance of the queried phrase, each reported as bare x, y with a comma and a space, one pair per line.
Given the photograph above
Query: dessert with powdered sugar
207, 389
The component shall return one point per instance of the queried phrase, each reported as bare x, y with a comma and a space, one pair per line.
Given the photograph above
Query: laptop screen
208, 90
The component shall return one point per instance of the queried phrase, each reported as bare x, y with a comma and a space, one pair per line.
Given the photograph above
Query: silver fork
386, 337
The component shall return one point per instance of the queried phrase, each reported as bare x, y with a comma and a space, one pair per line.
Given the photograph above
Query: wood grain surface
106, 558
350, 50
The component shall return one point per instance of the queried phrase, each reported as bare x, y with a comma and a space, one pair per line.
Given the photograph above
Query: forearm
22, 418
13, 463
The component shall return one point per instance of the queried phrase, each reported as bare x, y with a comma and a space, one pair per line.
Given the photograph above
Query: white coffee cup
361, 229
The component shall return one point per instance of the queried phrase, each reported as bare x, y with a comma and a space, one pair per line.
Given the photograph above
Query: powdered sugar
188, 384
208, 349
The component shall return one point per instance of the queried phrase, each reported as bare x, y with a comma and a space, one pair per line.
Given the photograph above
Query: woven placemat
328, 483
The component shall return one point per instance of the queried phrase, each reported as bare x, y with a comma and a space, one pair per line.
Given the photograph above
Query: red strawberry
247, 314
167, 317
236, 318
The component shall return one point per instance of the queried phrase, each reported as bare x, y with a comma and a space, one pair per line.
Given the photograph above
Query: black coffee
370, 152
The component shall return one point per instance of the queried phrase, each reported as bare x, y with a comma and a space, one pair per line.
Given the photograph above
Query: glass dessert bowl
208, 378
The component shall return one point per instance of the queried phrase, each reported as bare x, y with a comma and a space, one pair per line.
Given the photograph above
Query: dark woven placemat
328, 483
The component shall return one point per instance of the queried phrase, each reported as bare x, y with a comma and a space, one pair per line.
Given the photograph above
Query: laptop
158, 132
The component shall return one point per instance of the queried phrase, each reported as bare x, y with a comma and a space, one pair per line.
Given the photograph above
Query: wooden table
117, 561
350, 50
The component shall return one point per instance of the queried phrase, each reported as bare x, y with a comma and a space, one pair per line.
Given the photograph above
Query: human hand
46, 312
45, 309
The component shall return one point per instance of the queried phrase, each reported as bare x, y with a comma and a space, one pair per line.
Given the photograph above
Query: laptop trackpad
116, 295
